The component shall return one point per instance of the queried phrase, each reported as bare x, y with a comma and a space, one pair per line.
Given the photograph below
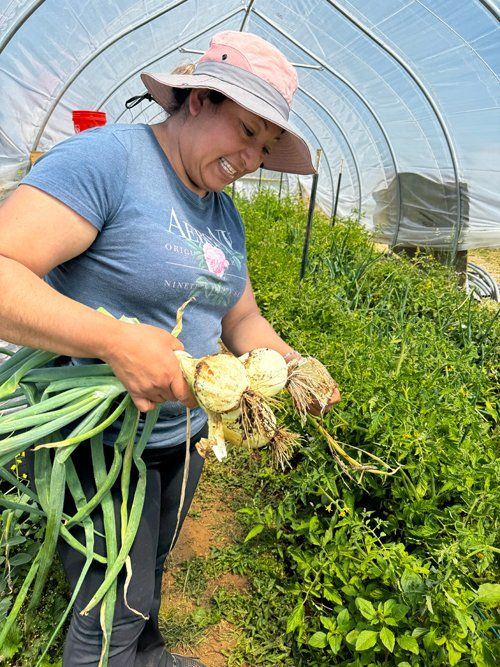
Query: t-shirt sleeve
86, 172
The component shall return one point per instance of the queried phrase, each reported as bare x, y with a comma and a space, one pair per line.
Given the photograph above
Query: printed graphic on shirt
214, 255
212, 285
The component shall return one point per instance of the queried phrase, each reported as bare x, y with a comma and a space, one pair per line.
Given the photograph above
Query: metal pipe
19, 24
334, 214
303, 65
490, 7
310, 215
247, 13
281, 185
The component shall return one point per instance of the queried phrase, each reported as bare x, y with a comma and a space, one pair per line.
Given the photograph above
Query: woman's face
221, 143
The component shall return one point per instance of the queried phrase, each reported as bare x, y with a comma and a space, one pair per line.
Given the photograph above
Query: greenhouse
347, 154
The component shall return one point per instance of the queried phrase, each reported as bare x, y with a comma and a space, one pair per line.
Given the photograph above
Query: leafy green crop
382, 570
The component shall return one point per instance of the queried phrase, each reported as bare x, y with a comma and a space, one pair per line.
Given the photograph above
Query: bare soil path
210, 523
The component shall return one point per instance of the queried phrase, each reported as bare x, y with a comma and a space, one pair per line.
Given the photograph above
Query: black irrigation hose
481, 283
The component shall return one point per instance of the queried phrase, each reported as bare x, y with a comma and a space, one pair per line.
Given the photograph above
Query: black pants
135, 642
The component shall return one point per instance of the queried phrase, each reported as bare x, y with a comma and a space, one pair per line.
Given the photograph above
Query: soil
488, 259
210, 523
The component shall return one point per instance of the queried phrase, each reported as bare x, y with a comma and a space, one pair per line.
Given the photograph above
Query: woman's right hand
142, 358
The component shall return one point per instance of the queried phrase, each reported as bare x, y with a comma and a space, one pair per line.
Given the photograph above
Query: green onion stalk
36, 403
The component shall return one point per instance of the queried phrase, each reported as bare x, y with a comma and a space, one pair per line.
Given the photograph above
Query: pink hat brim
290, 154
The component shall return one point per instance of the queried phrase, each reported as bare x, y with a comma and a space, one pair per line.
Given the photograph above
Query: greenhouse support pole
247, 14
281, 185
18, 24
312, 202
334, 214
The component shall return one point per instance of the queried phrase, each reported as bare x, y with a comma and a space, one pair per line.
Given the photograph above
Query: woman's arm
244, 328
37, 233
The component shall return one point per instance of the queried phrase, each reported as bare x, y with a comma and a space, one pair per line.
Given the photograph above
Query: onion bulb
218, 381
266, 369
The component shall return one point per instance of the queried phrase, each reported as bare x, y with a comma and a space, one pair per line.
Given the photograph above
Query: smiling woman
228, 114
133, 218
211, 145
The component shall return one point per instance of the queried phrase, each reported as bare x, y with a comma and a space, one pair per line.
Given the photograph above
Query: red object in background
82, 120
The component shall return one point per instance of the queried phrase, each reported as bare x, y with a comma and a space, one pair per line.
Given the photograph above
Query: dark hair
181, 95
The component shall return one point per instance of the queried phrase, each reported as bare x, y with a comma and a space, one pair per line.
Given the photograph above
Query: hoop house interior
403, 95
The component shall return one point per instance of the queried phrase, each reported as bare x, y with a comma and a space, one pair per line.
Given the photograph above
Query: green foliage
29, 636
20, 541
186, 629
382, 570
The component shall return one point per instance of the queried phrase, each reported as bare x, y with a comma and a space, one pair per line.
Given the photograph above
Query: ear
197, 98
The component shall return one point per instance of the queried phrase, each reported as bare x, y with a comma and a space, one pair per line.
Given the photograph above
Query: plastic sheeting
403, 92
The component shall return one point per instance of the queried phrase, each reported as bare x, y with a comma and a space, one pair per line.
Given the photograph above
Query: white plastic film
404, 93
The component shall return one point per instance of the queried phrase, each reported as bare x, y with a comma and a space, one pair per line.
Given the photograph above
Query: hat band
250, 83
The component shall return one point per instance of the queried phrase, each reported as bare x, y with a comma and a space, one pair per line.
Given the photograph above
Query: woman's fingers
179, 392
182, 392
143, 359
335, 397
317, 410
142, 404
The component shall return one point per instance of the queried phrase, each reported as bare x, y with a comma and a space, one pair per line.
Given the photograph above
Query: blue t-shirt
158, 243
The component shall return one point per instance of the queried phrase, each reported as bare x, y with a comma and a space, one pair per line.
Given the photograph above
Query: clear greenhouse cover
403, 96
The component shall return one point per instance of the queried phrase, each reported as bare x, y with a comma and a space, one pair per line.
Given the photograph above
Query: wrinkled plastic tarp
401, 93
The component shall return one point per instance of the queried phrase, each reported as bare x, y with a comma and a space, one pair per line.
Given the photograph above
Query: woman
133, 218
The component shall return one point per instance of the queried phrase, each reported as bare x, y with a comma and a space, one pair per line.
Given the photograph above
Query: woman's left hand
315, 408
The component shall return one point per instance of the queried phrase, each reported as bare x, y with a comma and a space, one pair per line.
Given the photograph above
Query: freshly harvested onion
266, 370
243, 389
218, 381
221, 386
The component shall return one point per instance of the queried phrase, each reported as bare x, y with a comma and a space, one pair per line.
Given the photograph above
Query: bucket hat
253, 73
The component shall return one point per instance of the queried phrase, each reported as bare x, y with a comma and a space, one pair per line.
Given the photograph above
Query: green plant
415, 360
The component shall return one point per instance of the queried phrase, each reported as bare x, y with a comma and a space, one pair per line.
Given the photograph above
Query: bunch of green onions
36, 403
90, 398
